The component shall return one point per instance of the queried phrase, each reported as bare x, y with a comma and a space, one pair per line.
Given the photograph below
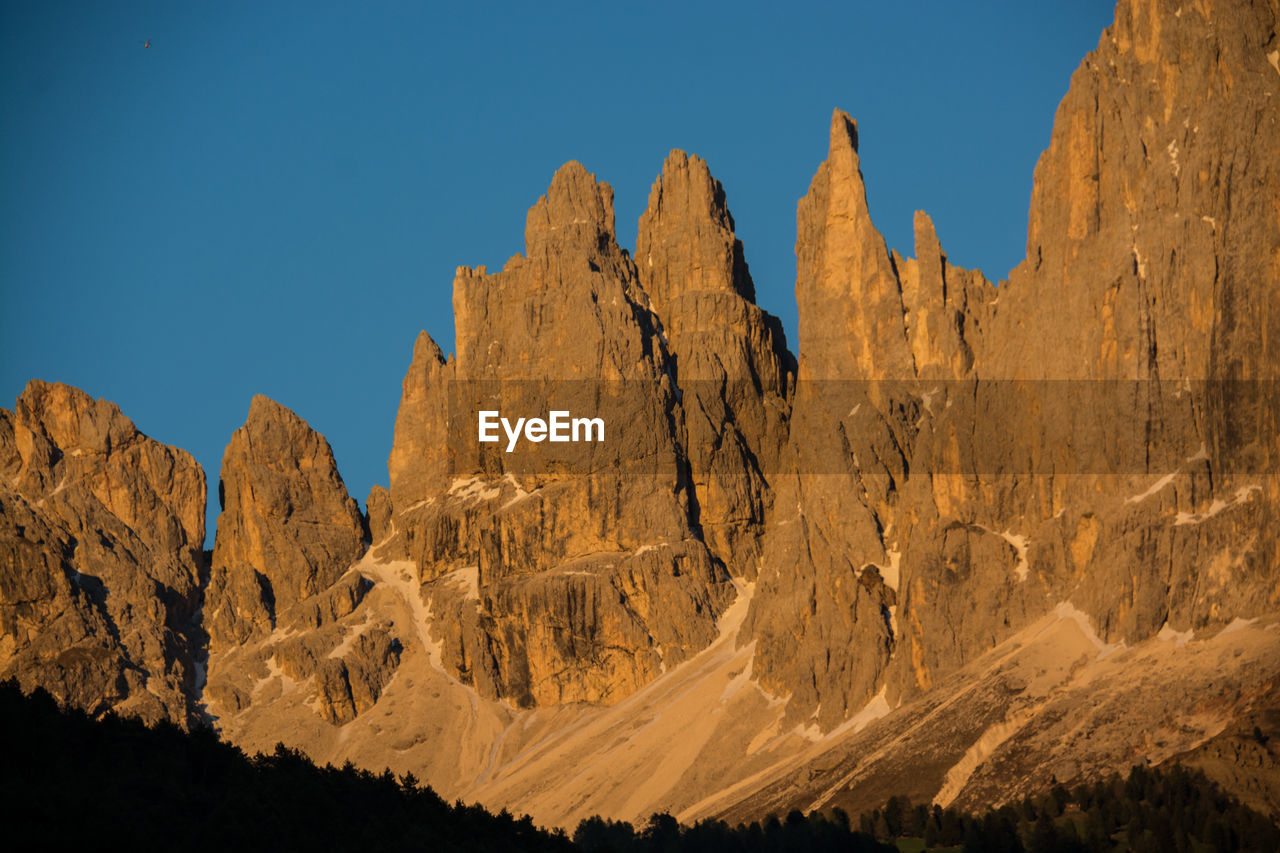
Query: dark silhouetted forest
69, 780
1149, 811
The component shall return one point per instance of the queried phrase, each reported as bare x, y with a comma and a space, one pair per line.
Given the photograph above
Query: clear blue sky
272, 198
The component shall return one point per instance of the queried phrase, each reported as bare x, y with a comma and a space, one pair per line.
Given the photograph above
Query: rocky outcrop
871, 326
1151, 211
1023, 527
288, 528
101, 530
730, 358
966, 487
566, 576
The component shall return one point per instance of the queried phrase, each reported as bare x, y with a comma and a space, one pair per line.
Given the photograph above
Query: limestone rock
730, 358
101, 531
970, 533
578, 578
982, 493
418, 467
378, 506
350, 685
852, 317
288, 528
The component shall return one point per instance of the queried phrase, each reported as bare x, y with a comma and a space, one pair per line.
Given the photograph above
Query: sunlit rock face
935, 516
288, 529
101, 531
967, 533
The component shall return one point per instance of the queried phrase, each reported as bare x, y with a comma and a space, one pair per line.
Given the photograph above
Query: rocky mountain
973, 537
102, 557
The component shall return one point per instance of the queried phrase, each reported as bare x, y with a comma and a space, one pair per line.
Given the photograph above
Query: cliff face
101, 530
280, 584
288, 528
937, 536
1152, 212
970, 532
729, 357
578, 581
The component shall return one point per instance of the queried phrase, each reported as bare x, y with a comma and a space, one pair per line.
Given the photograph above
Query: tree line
68, 779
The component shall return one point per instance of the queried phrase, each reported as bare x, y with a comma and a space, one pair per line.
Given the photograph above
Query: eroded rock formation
288, 529
568, 582
966, 524
101, 531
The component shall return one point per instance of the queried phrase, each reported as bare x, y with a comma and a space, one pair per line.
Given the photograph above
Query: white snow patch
401, 577
876, 707
351, 636
1178, 638
1274, 58
1242, 494
1237, 624
872, 711
274, 671
62, 484
1156, 487
928, 398
732, 617
1202, 453
468, 578
1019, 542
891, 573
811, 732
474, 488
1172, 148
1140, 261
520, 494
1067, 610
645, 549
1213, 223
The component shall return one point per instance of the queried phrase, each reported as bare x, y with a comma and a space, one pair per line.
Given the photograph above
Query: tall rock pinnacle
730, 357
589, 577
851, 322
288, 528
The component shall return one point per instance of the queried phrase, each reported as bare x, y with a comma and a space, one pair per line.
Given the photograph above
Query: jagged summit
844, 132
901, 560
686, 242
575, 208
288, 529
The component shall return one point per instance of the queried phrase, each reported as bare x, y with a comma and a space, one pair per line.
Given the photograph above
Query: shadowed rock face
101, 530
288, 528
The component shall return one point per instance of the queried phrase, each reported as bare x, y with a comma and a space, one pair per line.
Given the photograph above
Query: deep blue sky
273, 197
